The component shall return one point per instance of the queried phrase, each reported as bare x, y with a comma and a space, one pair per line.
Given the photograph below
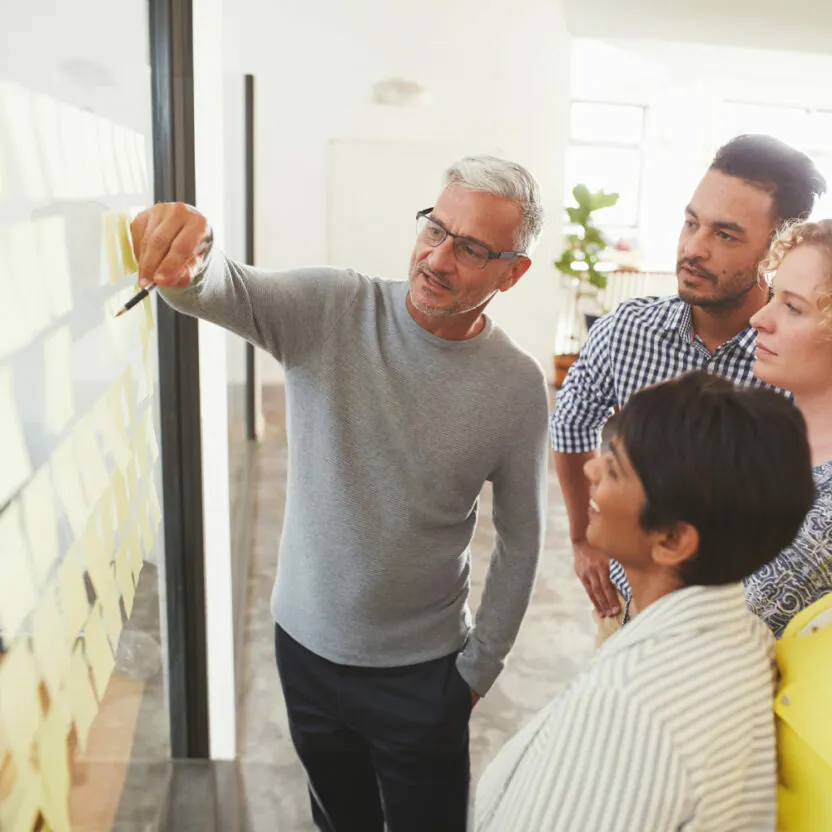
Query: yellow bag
804, 721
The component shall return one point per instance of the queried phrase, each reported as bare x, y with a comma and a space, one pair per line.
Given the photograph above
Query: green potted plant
581, 263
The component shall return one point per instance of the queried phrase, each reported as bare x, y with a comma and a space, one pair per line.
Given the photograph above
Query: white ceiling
803, 25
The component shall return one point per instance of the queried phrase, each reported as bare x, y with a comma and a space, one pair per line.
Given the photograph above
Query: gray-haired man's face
442, 285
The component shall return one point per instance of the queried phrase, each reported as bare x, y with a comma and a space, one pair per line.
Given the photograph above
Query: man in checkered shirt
754, 184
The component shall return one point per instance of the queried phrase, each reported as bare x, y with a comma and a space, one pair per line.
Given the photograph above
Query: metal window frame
171, 56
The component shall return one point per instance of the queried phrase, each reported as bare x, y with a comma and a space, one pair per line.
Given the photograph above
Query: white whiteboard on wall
375, 190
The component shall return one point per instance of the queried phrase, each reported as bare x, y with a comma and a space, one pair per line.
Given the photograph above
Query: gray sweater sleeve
519, 513
289, 314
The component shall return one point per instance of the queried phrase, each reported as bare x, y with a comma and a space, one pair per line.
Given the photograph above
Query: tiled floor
556, 638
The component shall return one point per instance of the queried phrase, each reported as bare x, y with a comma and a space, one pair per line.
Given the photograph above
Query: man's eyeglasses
469, 252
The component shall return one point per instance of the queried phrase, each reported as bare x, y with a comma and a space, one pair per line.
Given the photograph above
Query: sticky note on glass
109, 237
24, 258
97, 650
111, 428
154, 510
58, 380
82, 702
17, 588
20, 711
19, 810
148, 537
111, 610
134, 548
71, 140
54, 258
20, 129
90, 461
93, 173
125, 243
124, 578
120, 498
16, 467
41, 523
68, 487
53, 762
50, 642
73, 594
96, 560
47, 126
107, 520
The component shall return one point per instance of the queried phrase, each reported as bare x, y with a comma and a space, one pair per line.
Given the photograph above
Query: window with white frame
605, 151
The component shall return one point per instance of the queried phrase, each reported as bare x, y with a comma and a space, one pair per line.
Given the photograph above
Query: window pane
614, 169
786, 123
606, 123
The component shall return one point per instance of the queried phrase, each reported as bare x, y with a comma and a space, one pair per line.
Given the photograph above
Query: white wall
497, 77
208, 128
801, 25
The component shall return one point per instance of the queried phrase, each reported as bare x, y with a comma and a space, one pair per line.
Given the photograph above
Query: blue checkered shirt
644, 341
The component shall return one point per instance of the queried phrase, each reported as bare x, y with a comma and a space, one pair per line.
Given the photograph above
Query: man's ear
518, 268
672, 547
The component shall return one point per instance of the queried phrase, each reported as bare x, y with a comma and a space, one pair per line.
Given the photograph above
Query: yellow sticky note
17, 588
16, 467
19, 700
107, 521
96, 560
147, 305
109, 237
112, 429
121, 500
111, 611
41, 523
153, 508
19, 810
90, 461
148, 536
124, 579
73, 594
120, 139
108, 156
32, 310
50, 641
93, 173
58, 380
98, 652
68, 487
51, 235
132, 478
22, 139
126, 244
53, 762
47, 126
135, 552
82, 702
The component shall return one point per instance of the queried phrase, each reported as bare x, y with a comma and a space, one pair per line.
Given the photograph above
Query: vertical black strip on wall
171, 55
251, 365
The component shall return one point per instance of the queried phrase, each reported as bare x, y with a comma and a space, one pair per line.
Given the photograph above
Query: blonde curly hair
788, 238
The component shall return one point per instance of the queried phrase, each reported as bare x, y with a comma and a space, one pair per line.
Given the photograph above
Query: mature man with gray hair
403, 399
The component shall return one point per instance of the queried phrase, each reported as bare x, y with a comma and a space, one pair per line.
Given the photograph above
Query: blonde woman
794, 352
793, 593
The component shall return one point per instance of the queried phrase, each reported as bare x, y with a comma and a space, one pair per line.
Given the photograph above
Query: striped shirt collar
687, 609
679, 320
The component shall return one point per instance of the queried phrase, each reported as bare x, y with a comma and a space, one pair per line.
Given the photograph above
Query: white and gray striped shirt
670, 727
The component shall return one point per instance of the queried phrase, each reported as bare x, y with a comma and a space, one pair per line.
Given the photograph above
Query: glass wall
83, 700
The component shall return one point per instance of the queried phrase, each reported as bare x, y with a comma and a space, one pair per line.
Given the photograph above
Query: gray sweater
392, 433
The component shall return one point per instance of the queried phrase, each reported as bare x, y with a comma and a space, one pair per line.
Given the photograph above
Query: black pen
137, 298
